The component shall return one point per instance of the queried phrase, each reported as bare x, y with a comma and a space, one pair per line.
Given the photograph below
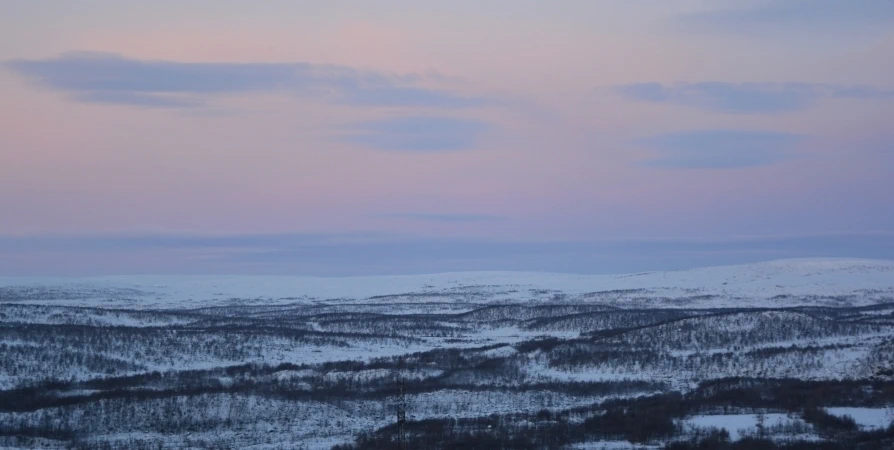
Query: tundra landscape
783, 354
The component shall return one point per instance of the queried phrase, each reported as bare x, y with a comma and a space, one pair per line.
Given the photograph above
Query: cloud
862, 92
719, 149
822, 16
746, 98
408, 96
113, 79
440, 217
648, 92
417, 134
138, 99
381, 254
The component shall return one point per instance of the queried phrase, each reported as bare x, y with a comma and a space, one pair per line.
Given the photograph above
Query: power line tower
401, 406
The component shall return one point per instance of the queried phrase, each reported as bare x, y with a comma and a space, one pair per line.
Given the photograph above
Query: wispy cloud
114, 79
411, 97
417, 133
813, 15
719, 149
140, 99
442, 217
746, 98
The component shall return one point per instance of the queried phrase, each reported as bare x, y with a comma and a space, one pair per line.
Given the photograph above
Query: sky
349, 137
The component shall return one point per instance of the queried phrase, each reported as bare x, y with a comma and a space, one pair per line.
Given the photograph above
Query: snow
738, 425
460, 403
285, 423
289, 374
611, 445
150, 299
500, 352
866, 418
774, 283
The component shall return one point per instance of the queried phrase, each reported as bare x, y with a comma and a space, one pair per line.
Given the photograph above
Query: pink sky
499, 122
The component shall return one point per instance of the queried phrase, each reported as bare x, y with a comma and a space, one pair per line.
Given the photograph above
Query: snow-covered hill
776, 283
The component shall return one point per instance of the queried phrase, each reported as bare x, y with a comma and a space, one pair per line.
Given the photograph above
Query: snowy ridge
793, 282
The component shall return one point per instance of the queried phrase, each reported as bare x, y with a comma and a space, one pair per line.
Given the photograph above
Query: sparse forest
563, 372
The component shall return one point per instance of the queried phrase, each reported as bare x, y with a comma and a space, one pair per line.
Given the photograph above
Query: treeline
589, 322
30, 352
738, 330
262, 381
657, 419
14, 313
